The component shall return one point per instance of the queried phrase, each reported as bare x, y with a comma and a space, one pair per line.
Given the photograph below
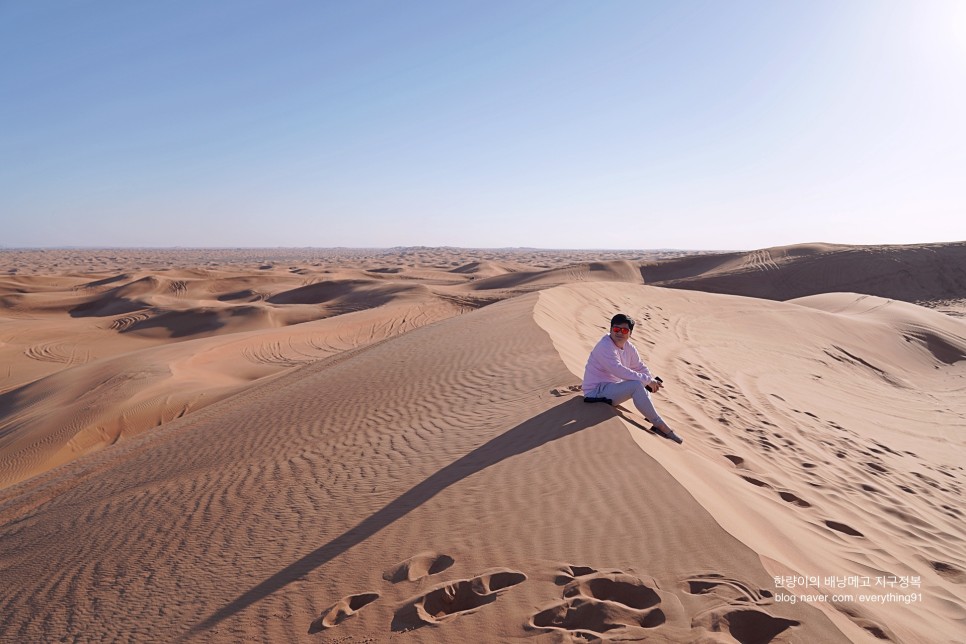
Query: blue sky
536, 123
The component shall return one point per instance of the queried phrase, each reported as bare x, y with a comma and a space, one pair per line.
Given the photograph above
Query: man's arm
638, 365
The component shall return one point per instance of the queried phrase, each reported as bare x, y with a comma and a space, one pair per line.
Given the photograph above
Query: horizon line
367, 248
458, 248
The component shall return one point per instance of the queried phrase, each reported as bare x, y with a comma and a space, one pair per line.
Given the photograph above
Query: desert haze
371, 445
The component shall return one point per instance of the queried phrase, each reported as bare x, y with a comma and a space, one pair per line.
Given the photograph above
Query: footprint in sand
859, 618
942, 470
741, 615
452, 599
731, 590
794, 500
767, 445
949, 572
566, 390
418, 566
756, 482
843, 528
952, 512
886, 448
342, 610
570, 572
933, 483
746, 625
600, 603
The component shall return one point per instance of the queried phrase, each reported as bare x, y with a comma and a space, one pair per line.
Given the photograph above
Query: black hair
620, 318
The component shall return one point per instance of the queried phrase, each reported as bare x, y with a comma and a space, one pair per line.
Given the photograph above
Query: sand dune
95, 404
486, 269
372, 445
523, 281
922, 272
440, 440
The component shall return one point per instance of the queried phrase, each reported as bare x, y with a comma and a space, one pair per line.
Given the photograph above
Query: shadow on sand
557, 422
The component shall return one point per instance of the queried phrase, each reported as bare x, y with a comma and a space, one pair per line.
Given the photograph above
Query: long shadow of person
555, 423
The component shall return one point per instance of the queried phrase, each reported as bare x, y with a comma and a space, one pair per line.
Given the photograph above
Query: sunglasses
620, 330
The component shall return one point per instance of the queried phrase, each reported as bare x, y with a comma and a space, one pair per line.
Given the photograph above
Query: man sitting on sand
614, 371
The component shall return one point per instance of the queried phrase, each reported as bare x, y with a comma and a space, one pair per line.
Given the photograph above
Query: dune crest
524, 281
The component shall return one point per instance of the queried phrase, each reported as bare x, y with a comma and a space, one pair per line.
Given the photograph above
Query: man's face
619, 333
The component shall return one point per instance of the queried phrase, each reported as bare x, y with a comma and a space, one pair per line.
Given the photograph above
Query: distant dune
365, 446
613, 271
485, 269
923, 272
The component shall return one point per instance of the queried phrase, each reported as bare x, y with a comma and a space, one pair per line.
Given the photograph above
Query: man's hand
655, 385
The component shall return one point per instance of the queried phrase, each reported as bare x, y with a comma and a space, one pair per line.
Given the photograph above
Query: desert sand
390, 445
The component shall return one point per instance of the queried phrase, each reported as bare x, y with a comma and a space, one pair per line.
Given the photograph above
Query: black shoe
670, 435
590, 399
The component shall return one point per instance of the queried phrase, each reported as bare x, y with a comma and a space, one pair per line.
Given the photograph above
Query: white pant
622, 391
